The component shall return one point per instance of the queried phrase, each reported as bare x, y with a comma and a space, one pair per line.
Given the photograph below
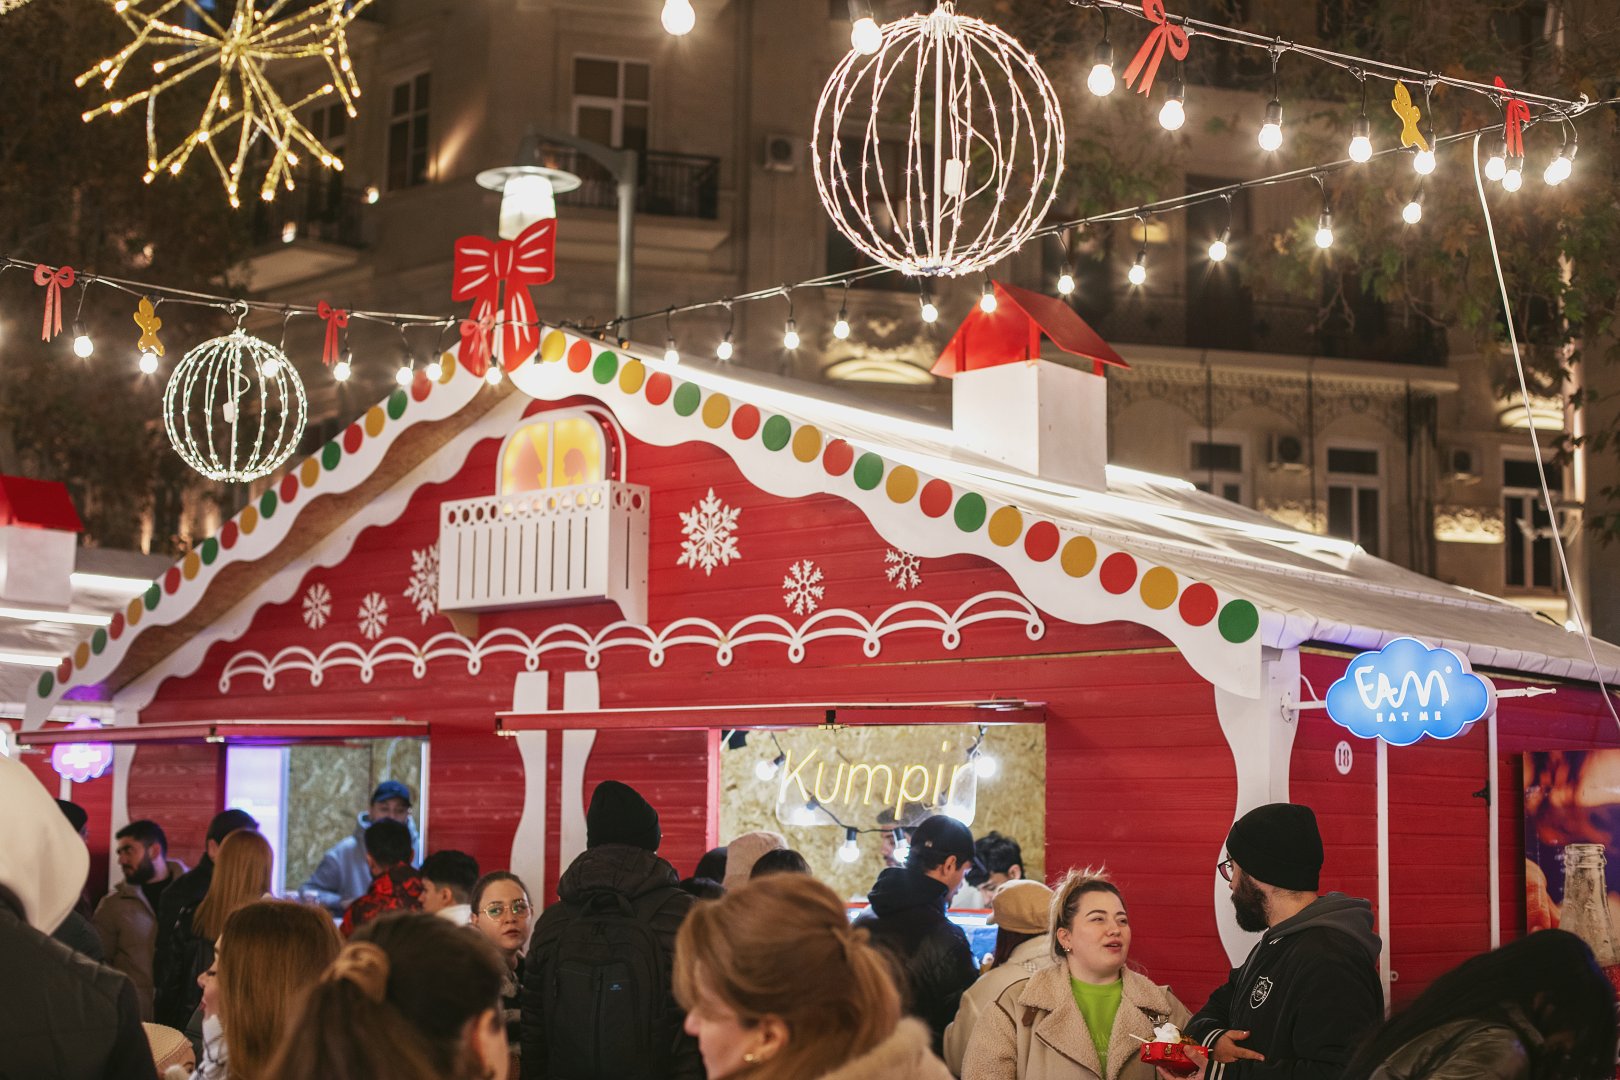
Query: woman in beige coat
1020, 911
1080, 1018
778, 986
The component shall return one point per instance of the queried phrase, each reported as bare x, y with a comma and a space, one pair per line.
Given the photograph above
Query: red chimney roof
37, 504
1012, 334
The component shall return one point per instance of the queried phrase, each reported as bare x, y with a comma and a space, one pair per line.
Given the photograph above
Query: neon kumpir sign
855, 791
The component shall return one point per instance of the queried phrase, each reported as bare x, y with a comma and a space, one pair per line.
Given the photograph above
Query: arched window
560, 449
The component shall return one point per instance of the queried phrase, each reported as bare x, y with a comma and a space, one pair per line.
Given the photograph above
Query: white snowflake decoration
801, 588
710, 531
903, 569
317, 606
373, 615
423, 590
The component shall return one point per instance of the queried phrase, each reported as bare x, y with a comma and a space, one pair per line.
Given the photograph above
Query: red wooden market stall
602, 566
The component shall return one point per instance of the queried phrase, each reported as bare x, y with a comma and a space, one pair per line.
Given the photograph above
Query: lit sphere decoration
980, 160
234, 408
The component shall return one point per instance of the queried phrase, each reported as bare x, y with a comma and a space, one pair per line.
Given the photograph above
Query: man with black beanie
1309, 990
598, 1003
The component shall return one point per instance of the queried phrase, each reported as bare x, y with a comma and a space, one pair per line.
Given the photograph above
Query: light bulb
1218, 250
434, 370
1412, 212
1423, 162
865, 35
987, 300
1173, 113
723, 350
672, 355
790, 335
841, 327
1361, 140
148, 362
342, 370
373, 193
1559, 168
1512, 179
83, 346
1101, 80
1271, 135
849, 851
1137, 275
1496, 166
1324, 230
766, 770
494, 375
1065, 282
930, 313
678, 17
404, 375
272, 368
985, 765
902, 847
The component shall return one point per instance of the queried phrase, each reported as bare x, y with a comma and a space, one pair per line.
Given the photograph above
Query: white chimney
1040, 417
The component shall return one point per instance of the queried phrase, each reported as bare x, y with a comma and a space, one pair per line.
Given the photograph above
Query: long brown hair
270, 953
402, 1015
241, 876
782, 946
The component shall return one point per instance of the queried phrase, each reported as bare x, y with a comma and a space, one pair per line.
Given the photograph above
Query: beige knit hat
743, 852
169, 1048
1021, 906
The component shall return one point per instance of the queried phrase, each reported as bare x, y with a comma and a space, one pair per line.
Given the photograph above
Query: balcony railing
313, 212
671, 185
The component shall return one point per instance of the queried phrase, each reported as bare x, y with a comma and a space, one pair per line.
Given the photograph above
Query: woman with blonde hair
268, 955
1081, 1018
241, 875
778, 986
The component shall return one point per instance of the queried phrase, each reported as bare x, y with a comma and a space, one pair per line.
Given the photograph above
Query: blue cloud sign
1407, 690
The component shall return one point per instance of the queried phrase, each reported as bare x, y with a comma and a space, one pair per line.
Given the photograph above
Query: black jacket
908, 921
62, 1016
186, 955
169, 981
1307, 994
652, 885
1477, 1049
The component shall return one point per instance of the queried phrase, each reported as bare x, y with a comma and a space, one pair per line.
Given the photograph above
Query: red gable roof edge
37, 504
1012, 334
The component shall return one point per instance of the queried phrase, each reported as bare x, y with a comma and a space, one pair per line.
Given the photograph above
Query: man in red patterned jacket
395, 884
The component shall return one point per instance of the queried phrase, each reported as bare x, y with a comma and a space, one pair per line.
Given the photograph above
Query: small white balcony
551, 546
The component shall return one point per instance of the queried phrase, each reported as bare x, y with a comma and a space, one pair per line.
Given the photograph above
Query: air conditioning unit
1286, 452
784, 153
1459, 465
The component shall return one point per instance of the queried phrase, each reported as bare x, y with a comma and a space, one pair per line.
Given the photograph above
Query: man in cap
907, 918
343, 875
1309, 990
614, 929
171, 976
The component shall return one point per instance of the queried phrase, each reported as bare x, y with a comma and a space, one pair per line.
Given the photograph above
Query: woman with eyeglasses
500, 911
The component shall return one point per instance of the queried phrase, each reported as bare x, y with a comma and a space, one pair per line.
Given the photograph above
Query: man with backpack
597, 997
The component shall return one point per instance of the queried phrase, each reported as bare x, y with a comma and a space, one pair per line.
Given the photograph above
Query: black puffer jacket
62, 1016
185, 956
652, 887
908, 921
1307, 994
1476, 1049
173, 980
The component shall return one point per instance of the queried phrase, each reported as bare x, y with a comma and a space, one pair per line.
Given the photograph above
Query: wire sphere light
980, 160
234, 408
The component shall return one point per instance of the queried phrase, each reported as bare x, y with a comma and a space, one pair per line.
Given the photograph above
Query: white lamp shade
525, 200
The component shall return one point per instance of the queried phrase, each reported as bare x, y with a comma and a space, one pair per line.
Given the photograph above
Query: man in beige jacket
126, 918
1019, 910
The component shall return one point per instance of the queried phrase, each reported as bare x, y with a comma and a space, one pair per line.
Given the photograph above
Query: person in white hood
70, 1018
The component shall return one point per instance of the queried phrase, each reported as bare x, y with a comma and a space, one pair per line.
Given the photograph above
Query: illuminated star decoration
8, 6
1410, 114
243, 107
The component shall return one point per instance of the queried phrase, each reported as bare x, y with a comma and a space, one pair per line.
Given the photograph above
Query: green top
1098, 1005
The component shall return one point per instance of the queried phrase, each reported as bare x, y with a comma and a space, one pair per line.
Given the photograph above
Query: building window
408, 134
611, 101
1531, 561
1355, 497
323, 187
1217, 467
554, 451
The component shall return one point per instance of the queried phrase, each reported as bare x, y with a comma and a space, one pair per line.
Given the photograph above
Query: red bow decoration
1516, 113
54, 282
336, 319
1146, 61
475, 344
483, 266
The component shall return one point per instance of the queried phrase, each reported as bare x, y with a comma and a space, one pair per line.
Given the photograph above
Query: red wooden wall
96, 798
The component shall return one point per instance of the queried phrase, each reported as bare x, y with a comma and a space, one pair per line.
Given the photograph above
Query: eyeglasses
1225, 868
520, 908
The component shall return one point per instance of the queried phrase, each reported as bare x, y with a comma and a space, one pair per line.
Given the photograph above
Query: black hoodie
908, 921
1307, 994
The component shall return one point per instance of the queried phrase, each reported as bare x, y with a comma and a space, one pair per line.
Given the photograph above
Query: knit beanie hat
1278, 844
743, 852
619, 815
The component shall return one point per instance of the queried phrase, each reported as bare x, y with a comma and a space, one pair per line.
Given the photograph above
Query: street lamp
529, 189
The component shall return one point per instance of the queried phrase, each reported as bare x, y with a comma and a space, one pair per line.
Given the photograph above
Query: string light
405, 374
930, 313
1173, 113
1271, 134
1412, 212
902, 847
245, 111
1065, 281
1137, 275
1101, 79
767, 770
790, 335
342, 369
1324, 221
841, 324
1218, 248
148, 362
849, 851
987, 298
1513, 177
865, 35
1361, 149
1560, 167
672, 355
723, 351
82, 345
434, 371
678, 17
1496, 164
494, 376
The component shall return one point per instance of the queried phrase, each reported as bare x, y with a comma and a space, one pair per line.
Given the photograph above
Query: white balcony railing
558, 545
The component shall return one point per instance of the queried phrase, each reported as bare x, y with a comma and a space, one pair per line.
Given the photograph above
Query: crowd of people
749, 968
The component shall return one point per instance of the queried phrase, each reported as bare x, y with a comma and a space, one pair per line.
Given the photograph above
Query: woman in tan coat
1079, 1019
778, 986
